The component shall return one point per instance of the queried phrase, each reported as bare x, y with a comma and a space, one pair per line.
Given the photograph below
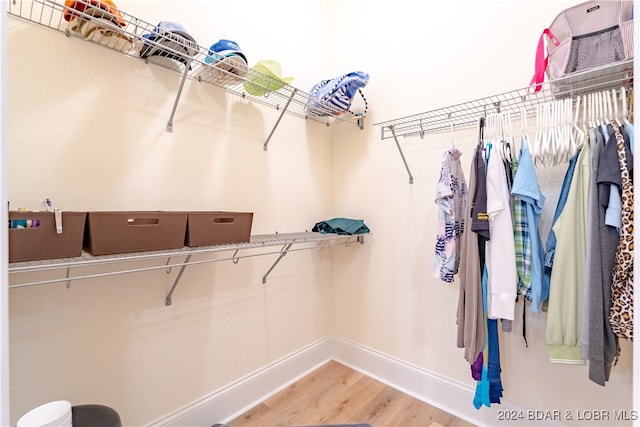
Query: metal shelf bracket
395, 138
283, 252
167, 300
284, 110
175, 103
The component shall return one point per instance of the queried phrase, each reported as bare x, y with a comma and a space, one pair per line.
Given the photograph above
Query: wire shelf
125, 34
259, 245
256, 242
468, 113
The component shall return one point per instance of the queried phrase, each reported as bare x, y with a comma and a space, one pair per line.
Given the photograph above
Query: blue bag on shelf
333, 97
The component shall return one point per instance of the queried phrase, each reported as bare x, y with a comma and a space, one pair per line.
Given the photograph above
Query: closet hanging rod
467, 113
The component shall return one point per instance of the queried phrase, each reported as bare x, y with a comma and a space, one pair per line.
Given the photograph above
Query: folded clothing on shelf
341, 226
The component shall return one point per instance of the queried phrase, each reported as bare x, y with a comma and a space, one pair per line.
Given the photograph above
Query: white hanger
565, 144
597, 104
602, 108
615, 111
625, 108
596, 108
453, 145
507, 140
552, 142
541, 133
524, 128
592, 110
534, 145
551, 134
610, 116
585, 104
556, 142
577, 133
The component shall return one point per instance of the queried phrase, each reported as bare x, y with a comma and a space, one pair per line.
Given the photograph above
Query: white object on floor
52, 414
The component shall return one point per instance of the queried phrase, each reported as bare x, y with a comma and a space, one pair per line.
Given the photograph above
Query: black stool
94, 416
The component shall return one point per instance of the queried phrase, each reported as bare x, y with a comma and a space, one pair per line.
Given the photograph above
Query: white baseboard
228, 402
451, 396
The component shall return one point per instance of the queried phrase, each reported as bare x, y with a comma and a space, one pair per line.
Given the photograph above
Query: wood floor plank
328, 382
386, 405
417, 413
345, 406
337, 394
298, 402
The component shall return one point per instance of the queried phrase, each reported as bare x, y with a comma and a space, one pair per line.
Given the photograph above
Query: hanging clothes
528, 202
494, 370
621, 313
479, 217
483, 386
629, 129
566, 294
550, 247
470, 318
610, 173
500, 256
601, 345
451, 198
487, 370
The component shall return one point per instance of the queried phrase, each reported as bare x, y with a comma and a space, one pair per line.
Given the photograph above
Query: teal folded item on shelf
341, 226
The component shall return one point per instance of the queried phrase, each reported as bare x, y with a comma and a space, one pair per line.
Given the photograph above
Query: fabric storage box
112, 232
209, 228
33, 235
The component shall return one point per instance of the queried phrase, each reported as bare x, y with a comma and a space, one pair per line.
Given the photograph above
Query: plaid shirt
522, 240
527, 202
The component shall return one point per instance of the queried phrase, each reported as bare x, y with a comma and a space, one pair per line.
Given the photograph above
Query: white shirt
502, 285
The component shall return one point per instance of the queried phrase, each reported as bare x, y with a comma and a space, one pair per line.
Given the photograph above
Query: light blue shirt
525, 185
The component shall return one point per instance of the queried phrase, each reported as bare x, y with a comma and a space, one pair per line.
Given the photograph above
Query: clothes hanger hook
453, 145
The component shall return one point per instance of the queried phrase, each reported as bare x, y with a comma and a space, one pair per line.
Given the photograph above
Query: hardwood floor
336, 394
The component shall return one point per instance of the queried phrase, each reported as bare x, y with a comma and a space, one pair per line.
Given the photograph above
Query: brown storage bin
134, 231
42, 241
218, 228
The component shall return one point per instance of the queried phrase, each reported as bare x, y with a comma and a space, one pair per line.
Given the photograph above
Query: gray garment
602, 342
471, 328
595, 144
610, 165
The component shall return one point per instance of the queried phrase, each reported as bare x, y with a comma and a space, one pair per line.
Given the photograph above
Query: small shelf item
227, 64
45, 235
101, 23
279, 244
515, 102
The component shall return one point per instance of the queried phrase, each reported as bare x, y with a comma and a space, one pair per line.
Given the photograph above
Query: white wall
421, 57
86, 128
4, 279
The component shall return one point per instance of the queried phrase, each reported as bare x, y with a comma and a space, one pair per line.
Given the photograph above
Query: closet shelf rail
203, 66
279, 244
468, 113
514, 103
